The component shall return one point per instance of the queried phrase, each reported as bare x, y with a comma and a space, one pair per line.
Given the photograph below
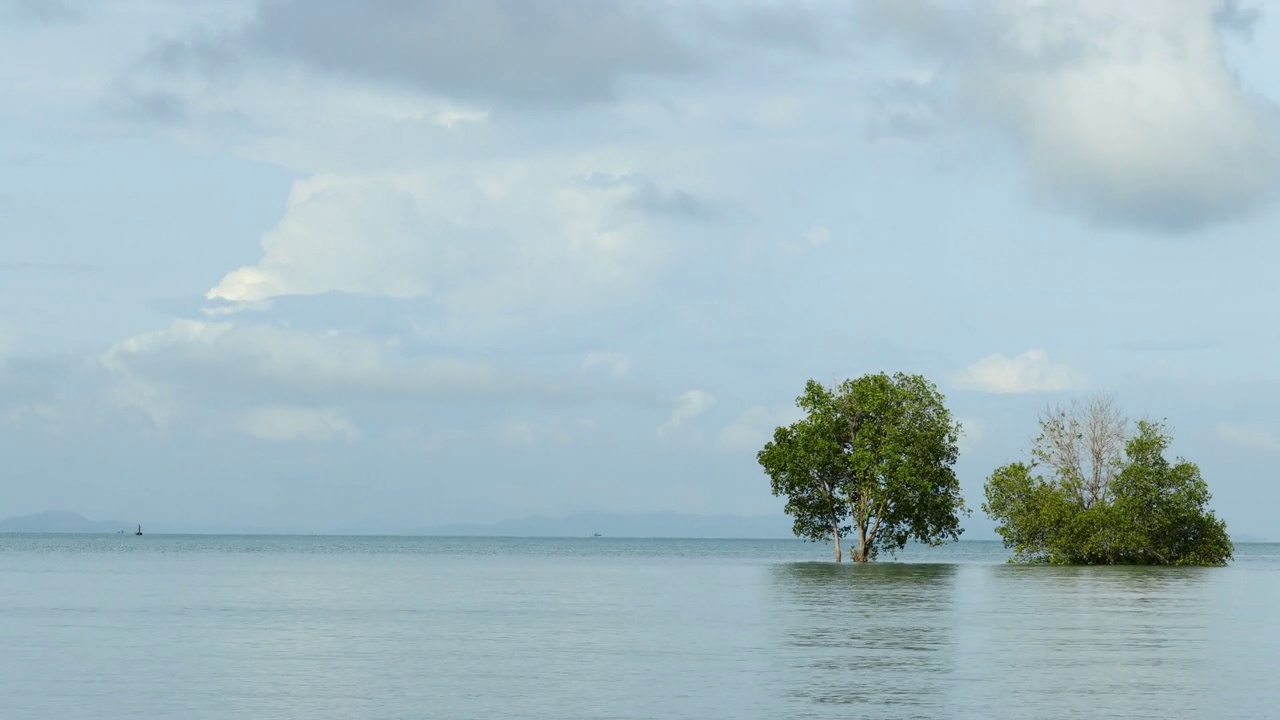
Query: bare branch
1083, 444
1104, 436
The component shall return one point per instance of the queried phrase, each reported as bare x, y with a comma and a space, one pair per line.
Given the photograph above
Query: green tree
1146, 510
872, 458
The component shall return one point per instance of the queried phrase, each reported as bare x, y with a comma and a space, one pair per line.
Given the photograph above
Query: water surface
203, 627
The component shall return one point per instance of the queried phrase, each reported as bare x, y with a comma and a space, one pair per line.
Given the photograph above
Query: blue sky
303, 265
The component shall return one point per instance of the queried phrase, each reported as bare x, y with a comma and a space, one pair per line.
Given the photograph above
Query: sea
346, 628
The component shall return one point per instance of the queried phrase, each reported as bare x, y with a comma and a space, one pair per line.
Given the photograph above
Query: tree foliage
1133, 508
872, 458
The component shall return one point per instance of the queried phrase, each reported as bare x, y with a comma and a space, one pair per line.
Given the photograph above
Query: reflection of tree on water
1129, 616
874, 635
1137, 579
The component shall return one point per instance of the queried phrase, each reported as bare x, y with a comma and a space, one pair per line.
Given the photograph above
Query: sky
308, 264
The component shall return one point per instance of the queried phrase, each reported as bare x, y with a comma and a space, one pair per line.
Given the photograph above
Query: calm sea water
305, 627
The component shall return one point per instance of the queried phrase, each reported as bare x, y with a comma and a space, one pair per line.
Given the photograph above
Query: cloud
159, 107
354, 235
1252, 436
904, 108
614, 364
47, 12
755, 426
279, 423
1030, 372
517, 51
207, 363
1126, 113
513, 52
646, 197
503, 241
1232, 16
687, 407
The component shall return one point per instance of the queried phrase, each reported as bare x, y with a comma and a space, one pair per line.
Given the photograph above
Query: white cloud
614, 364
340, 234
755, 426
687, 407
1248, 436
273, 358
1125, 111
195, 370
1032, 371
506, 241
280, 423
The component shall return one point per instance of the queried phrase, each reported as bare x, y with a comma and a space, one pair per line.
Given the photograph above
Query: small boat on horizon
139, 530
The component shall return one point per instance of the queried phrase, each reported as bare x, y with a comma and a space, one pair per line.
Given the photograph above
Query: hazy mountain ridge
59, 521
618, 525
649, 525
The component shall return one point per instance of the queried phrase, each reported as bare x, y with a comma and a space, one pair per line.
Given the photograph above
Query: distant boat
595, 534
139, 530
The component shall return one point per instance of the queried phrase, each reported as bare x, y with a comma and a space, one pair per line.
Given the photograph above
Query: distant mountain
652, 525
58, 521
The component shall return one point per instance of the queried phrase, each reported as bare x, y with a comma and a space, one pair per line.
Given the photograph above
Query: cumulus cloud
280, 423
1127, 113
1030, 372
498, 241
1252, 436
687, 407
345, 235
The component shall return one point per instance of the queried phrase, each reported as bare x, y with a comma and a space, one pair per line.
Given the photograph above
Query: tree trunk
861, 554
835, 532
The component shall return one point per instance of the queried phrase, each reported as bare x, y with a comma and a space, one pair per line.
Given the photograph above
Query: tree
1160, 507
1099, 506
873, 458
1083, 446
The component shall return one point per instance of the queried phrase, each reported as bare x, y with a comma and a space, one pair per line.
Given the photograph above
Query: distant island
616, 525
649, 525
606, 525
61, 521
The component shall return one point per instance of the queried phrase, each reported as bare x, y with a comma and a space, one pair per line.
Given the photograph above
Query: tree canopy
873, 458
1099, 505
